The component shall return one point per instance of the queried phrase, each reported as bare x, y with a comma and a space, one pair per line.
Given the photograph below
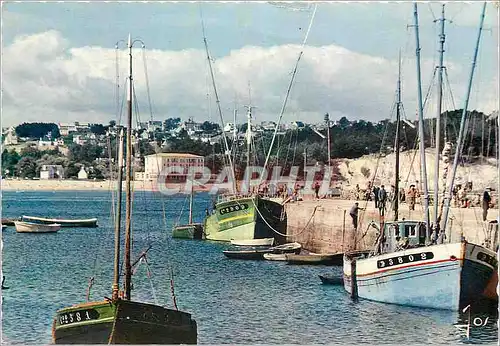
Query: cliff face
364, 169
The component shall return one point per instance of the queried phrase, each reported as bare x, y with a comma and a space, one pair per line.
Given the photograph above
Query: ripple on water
243, 302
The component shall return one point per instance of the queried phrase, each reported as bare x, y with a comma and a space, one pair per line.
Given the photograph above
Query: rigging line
283, 234
290, 86
147, 81
393, 109
149, 274
228, 152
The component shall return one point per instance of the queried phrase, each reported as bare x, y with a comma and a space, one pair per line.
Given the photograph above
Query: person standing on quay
375, 195
412, 196
486, 203
382, 199
354, 214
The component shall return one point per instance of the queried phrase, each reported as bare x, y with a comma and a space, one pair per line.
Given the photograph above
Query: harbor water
237, 302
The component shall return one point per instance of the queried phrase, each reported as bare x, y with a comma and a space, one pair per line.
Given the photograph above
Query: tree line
349, 139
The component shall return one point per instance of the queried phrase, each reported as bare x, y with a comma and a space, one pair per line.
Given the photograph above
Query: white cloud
45, 79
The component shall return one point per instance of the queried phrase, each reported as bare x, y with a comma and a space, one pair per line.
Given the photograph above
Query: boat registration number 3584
393, 261
77, 316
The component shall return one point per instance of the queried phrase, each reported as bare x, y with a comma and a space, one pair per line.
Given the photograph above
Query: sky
59, 62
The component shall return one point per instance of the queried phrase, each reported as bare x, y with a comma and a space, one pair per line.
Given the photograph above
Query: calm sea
240, 302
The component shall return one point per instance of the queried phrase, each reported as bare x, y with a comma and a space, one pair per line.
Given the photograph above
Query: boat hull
252, 255
239, 219
62, 222
253, 242
28, 227
447, 276
330, 260
123, 322
191, 231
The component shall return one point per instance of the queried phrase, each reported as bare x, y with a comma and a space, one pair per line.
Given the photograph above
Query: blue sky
362, 38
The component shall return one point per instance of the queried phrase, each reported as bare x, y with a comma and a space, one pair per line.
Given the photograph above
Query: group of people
380, 196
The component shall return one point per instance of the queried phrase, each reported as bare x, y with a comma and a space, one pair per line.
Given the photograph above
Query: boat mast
438, 119
462, 122
128, 205
292, 79
116, 278
226, 145
327, 122
249, 142
423, 165
396, 146
191, 204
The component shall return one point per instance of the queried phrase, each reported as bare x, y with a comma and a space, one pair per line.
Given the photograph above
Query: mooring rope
282, 234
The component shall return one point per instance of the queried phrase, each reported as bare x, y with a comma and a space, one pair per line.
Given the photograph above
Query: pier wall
325, 226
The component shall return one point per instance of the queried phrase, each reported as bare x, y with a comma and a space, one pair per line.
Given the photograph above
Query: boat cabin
403, 234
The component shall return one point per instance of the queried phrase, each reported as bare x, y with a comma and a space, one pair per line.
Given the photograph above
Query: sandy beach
68, 185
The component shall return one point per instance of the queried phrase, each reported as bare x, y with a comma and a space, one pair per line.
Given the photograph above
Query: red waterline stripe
411, 265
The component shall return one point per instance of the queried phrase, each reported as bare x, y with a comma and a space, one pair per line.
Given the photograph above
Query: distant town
81, 150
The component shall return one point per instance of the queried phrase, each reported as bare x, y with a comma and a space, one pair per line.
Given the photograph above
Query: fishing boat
409, 265
62, 222
242, 215
190, 230
316, 259
253, 242
30, 227
244, 218
4, 227
119, 319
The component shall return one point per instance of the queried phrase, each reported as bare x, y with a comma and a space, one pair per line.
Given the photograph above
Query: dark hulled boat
120, 320
123, 322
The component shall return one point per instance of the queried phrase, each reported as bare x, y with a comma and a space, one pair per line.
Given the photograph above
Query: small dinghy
332, 280
30, 227
286, 248
255, 253
253, 242
316, 259
275, 257
250, 254
62, 222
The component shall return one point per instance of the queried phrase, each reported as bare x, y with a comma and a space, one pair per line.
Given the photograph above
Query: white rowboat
253, 242
30, 227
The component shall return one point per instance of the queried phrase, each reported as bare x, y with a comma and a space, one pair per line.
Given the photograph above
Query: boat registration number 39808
78, 316
388, 262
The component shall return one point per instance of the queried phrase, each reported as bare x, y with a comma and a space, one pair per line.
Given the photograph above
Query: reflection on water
237, 302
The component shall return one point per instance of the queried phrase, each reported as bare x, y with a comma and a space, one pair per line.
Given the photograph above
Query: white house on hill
82, 175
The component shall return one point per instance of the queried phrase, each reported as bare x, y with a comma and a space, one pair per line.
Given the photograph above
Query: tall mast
116, 277
396, 146
128, 205
249, 141
423, 165
438, 119
226, 145
462, 122
327, 122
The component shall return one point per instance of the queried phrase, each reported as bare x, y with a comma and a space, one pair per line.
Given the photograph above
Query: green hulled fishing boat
241, 218
120, 320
